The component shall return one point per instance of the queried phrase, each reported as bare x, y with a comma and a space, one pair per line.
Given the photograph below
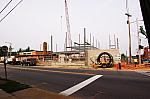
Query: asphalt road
112, 85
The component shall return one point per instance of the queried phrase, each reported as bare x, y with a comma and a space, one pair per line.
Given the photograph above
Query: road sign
117, 58
5, 50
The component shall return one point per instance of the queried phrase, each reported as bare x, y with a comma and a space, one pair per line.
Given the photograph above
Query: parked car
29, 62
15, 61
146, 61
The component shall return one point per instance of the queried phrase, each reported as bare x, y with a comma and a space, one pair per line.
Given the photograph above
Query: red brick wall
146, 53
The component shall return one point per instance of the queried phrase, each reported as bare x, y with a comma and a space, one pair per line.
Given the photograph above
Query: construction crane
68, 25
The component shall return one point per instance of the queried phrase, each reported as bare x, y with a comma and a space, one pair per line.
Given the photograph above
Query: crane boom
68, 24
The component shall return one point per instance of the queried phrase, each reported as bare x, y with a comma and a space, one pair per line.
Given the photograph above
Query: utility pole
115, 41
71, 45
128, 22
79, 47
93, 42
139, 51
90, 41
85, 45
51, 43
40, 47
84, 39
126, 57
64, 47
56, 47
79, 44
66, 41
48, 47
96, 43
109, 42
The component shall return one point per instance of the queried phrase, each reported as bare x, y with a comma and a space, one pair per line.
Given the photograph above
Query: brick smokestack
44, 48
146, 52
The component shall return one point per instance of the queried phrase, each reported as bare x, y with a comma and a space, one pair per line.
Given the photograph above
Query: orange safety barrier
117, 66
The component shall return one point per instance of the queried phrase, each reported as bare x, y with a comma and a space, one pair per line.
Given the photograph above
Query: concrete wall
93, 54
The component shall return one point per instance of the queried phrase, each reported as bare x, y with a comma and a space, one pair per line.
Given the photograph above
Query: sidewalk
32, 93
65, 67
4, 95
123, 68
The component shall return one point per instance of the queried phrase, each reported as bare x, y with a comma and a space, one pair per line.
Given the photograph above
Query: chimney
44, 48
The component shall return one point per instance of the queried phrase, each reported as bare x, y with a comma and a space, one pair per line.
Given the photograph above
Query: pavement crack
98, 92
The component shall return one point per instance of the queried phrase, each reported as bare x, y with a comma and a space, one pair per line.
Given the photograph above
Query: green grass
12, 86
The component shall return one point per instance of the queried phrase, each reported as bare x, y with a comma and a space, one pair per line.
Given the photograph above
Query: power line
10, 11
6, 6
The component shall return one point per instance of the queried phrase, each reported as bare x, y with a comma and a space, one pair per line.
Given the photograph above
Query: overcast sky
33, 21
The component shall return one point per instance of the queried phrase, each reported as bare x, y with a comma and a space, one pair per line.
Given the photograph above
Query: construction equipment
68, 25
104, 60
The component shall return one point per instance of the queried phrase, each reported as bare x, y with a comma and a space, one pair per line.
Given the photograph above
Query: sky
32, 22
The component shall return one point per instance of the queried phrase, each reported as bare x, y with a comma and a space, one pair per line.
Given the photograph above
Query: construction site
75, 49
86, 53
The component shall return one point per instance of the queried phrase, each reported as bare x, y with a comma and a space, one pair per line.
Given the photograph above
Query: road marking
79, 86
55, 71
144, 72
44, 83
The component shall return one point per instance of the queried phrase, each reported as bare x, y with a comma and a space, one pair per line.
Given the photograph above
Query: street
109, 84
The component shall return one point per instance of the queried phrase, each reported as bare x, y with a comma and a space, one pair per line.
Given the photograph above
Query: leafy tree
28, 49
123, 56
20, 50
1, 51
143, 31
25, 50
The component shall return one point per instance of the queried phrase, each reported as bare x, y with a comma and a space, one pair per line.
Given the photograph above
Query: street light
10, 48
128, 22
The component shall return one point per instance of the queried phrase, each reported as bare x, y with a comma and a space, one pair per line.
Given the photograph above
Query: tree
143, 31
123, 57
20, 50
24, 50
28, 49
145, 8
1, 53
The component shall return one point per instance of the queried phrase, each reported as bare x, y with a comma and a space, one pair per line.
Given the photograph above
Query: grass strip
11, 86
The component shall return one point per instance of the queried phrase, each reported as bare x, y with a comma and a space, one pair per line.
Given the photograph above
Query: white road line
79, 86
144, 72
54, 71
